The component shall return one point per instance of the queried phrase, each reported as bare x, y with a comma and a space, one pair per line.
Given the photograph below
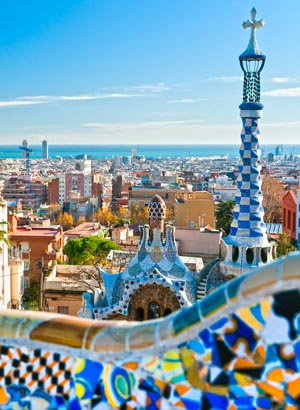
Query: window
249, 255
167, 311
235, 253
264, 255
63, 309
153, 310
26, 264
26, 283
140, 314
284, 217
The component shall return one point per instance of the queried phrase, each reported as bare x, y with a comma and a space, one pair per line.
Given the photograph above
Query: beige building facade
194, 210
63, 288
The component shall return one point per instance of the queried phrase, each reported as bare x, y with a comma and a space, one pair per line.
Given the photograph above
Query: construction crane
27, 159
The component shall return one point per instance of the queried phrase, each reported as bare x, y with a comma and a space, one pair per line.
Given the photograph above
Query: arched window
153, 310
167, 311
140, 314
264, 255
235, 253
249, 255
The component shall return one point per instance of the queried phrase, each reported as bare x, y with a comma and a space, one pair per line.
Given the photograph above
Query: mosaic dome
157, 208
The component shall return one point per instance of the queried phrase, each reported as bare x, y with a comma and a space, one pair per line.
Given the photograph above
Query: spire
247, 244
248, 227
252, 61
253, 51
157, 212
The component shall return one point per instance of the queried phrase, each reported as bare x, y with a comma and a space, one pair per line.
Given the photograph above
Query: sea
147, 151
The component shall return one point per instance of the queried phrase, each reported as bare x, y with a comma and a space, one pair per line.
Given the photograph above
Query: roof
290, 194
84, 229
34, 232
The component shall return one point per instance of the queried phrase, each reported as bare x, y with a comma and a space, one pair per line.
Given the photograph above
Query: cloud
136, 91
148, 125
16, 103
38, 127
282, 124
49, 99
153, 88
226, 79
143, 88
185, 100
283, 80
283, 92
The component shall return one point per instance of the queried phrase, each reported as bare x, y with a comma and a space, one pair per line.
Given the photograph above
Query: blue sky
143, 71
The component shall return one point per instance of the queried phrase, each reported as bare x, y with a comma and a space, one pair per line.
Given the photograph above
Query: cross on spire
252, 49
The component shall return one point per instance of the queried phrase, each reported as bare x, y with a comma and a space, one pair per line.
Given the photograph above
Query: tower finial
252, 51
252, 61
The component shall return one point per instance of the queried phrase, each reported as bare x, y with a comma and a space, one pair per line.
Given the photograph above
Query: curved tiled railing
237, 348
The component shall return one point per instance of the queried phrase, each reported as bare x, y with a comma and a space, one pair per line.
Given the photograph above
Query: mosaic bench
239, 348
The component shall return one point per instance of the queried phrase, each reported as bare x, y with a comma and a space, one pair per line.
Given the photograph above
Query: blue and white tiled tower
247, 244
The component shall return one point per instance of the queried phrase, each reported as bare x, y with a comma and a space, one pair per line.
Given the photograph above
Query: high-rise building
133, 153
45, 149
279, 150
24, 144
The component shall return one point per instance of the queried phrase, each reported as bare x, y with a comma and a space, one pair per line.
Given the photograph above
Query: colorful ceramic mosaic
238, 348
248, 227
247, 246
156, 262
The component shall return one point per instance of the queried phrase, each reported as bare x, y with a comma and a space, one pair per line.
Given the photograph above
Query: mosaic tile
235, 358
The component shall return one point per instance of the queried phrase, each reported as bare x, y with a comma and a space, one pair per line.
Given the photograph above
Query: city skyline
131, 72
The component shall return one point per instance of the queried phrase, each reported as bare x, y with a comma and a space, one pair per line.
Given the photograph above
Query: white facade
298, 218
61, 189
5, 285
224, 192
87, 185
84, 165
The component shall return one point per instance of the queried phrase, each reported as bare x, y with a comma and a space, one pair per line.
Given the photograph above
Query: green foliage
90, 250
31, 300
224, 215
285, 245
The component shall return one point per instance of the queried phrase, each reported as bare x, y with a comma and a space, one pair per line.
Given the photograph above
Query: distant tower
247, 244
133, 153
279, 150
27, 152
45, 149
25, 145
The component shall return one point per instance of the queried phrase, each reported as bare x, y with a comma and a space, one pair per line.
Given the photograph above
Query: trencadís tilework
238, 348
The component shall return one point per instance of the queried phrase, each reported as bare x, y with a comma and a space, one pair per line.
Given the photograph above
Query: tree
140, 215
123, 215
65, 220
273, 193
285, 245
90, 250
224, 215
105, 217
31, 300
81, 220
54, 210
3, 235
